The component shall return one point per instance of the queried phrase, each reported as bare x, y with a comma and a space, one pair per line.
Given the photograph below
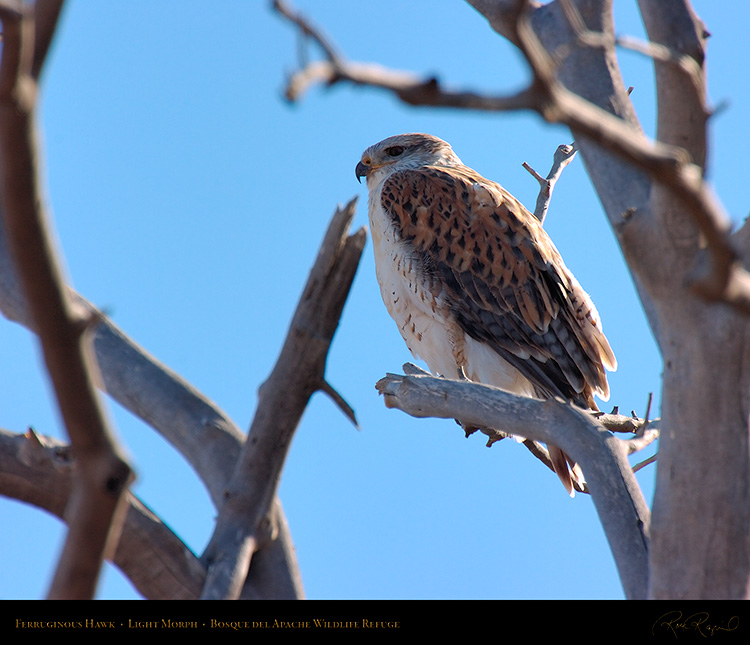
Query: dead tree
86, 482
687, 264
686, 261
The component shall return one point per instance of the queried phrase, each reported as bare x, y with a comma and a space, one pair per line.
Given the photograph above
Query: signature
699, 622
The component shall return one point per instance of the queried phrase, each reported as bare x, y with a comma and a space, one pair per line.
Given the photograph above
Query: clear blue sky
189, 201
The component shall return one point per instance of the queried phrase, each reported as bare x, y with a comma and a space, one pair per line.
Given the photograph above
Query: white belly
413, 300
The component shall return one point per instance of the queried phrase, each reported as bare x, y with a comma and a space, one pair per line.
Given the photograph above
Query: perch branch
95, 509
610, 480
644, 430
201, 432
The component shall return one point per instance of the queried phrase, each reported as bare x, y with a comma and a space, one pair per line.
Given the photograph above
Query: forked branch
562, 157
245, 522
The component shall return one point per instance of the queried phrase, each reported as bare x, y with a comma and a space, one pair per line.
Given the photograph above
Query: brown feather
490, 272
494, 251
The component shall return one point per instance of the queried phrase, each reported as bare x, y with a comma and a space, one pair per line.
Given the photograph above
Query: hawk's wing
505, 281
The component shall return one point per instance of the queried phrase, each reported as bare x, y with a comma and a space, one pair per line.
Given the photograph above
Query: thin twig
562, 157
409, 87
646, 462
339, 400
647, 431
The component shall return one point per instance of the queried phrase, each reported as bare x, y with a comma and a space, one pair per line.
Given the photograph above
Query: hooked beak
361, 171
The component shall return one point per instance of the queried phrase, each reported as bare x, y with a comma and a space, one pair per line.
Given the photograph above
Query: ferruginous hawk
474, 283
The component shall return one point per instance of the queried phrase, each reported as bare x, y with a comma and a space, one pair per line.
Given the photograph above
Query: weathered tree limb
644, 431
40, 470
610, 480
244, 524
209, 440
205, 436
705, 381
202, 433
95, 508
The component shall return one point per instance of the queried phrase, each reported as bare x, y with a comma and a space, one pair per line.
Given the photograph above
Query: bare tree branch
192, 423
562, 157
645, 431
40, 470
95, 509
245, 524
722, 278
610, 480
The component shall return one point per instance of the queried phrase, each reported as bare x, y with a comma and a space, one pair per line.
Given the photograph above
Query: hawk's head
404, 151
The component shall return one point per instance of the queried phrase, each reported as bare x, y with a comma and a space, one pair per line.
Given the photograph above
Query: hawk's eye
394, 151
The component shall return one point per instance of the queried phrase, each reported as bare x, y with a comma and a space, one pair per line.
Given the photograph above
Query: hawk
474, 283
